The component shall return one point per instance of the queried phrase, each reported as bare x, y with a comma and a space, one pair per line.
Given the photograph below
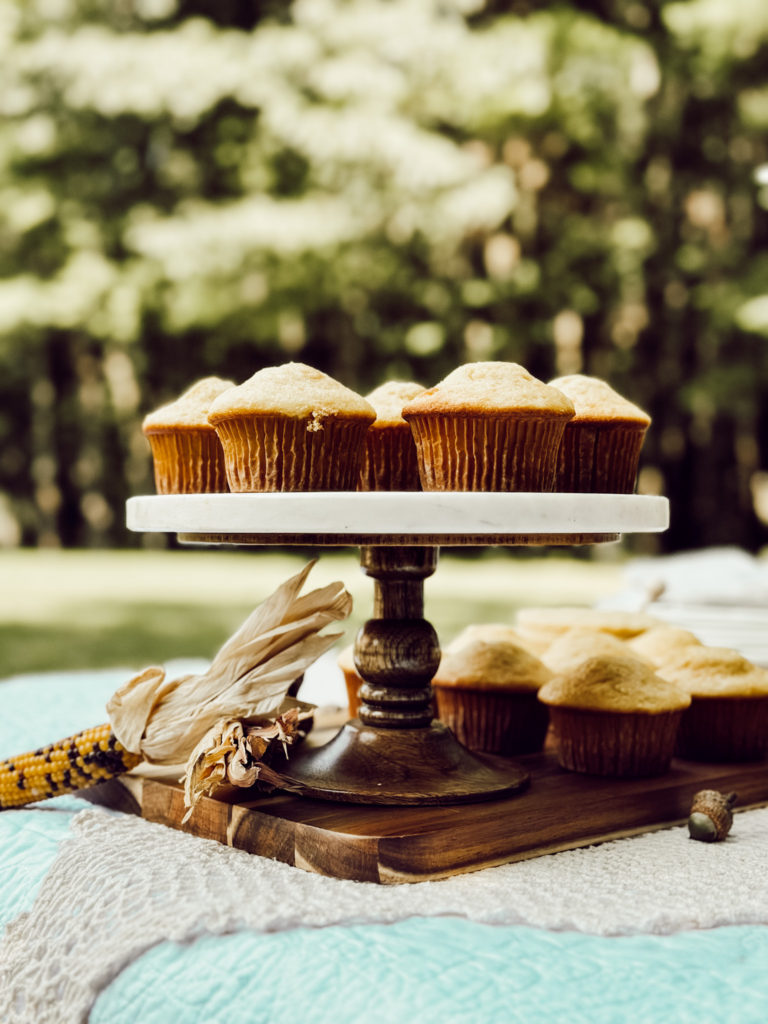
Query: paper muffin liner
353, 682
188, 462
389, 460
493, 721
724, 729
601, 458
279, 453
486, 453
612, 743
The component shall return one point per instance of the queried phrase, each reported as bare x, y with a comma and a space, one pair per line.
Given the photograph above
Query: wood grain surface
559, 810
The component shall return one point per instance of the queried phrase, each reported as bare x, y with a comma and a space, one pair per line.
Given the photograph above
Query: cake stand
394, 752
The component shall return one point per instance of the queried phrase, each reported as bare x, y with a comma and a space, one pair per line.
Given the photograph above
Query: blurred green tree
381, 189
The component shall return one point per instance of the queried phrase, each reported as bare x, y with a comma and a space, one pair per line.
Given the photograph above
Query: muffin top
714, 672
485, 665
388, 401
595, 401
490, 632
614, 683
190, 410
493, 388
576, 645
661, 642
292, 390
553, 621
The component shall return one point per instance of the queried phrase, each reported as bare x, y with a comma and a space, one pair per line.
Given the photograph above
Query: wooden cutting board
558, 811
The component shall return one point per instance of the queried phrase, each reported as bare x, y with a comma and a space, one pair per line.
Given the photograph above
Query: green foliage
382, 188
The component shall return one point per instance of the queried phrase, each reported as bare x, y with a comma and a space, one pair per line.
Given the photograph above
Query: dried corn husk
232, 753
165, 719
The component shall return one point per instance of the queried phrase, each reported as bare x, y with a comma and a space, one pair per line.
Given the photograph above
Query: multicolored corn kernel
71, 764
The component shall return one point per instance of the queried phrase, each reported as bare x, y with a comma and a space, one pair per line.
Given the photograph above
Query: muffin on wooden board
488, 427
485, 692
660, 643
389, 457
186, 453
600, 450
728, 716
543, 625
613, 716
576, 645
291, 428
490, 632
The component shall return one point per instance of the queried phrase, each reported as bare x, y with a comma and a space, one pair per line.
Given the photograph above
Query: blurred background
382, 189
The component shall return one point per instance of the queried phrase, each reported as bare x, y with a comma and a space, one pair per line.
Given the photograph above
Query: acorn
711, 816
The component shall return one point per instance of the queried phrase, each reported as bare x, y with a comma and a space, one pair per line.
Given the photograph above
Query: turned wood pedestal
394, 752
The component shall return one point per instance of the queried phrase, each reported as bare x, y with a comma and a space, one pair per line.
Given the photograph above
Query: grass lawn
103, 609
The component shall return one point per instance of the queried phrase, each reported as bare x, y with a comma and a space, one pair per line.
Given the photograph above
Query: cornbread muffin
352, 678
291, 428
543, 625
576, 645
485, 691
488, 427
660, 643
490, 632
601, 445
389, 458
613, 716
186, 453
728, 716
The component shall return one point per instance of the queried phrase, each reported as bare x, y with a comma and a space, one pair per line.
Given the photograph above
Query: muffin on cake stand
393, 752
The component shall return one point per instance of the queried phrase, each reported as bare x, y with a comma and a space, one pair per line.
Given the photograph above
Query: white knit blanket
121, 885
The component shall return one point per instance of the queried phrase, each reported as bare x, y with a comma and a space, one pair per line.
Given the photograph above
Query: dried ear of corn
81, 760
161, 721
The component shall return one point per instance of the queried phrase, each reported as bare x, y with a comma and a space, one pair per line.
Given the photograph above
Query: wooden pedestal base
400, 766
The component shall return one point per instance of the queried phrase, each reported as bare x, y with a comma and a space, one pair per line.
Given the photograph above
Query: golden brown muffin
488, 427
490, 632
485, 691
728, 716
291, 428
186, 453
389, 459
601, 445
576, 645
614, 716
544, 625
660, 643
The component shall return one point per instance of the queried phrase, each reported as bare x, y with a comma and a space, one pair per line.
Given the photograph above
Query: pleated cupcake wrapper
277, 453
724, 729
495, 722
484, 453
188, 462
616, 744
353, 682
599, 458
389, 460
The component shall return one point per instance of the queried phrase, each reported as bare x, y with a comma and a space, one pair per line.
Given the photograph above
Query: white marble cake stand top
450, 517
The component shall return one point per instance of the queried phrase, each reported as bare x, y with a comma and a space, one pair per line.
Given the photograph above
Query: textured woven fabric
113, 916
121, 885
